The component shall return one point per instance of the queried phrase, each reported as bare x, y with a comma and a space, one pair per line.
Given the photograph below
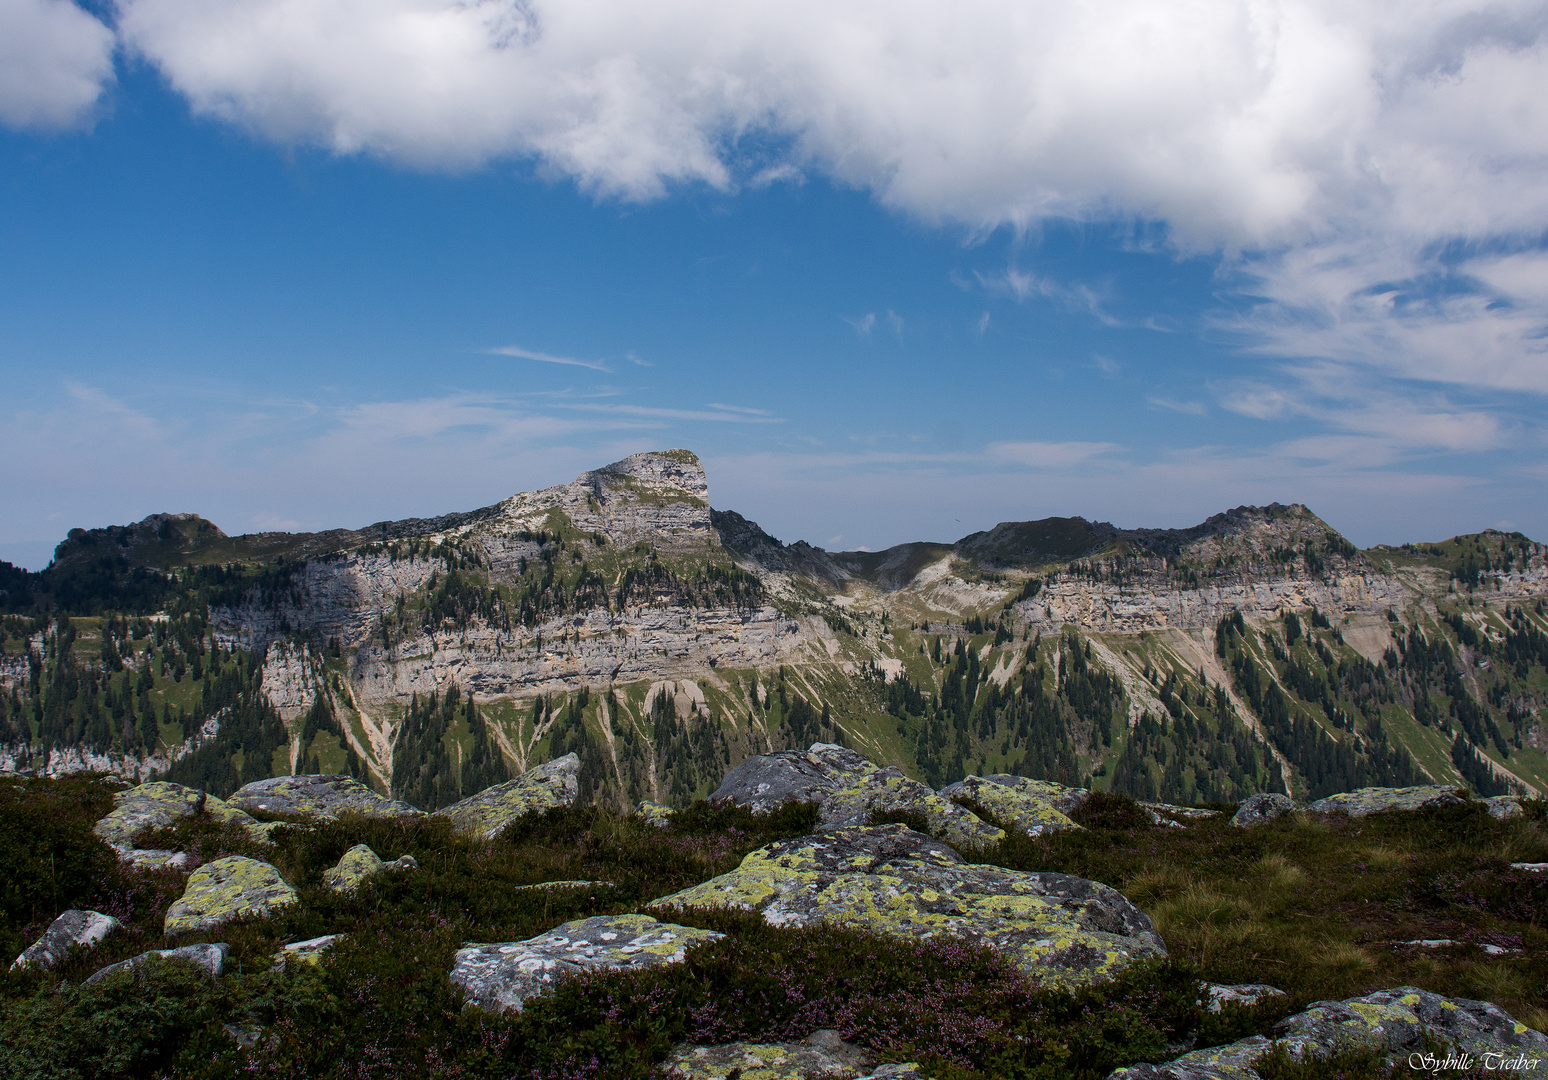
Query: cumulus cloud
55, 61
1337, 152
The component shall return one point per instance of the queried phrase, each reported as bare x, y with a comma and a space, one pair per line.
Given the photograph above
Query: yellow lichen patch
491, 810
1065, 931
231, 888
161, 803
1033, 806
357, 864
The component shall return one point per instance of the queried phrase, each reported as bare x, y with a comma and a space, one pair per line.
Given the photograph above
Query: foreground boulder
210, 959
1504, 807
360, 863
1378, 800
1061, 930
1036, 807
75, 927
1262, 808
1218, 995
1396, 1021
156, 806
551, 784
849, 790
235, 887
820, 1056
318, 797
503, 976
654, 813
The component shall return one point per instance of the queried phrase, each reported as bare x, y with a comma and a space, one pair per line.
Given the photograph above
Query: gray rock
822, 1055
503, 976
1379, 800
849, 790
157, 859
157, 805
306, 952
360, 863
231, 888
1218, 995
318, 797
1530, 867
211, 959
1504, 807
566, 885
1036, 807
657, 814
74, 927
1396, 1021
1063, 931
1263, 807
551, 784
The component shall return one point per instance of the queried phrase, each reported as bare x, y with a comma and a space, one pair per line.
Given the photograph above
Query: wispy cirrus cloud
549, 358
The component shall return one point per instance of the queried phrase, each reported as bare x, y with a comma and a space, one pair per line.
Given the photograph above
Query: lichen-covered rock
566, 885
306, 952
1261, 808
74, 927
318, 797
1378, 800
211, 959
1036, 807
1504, 807
551, 784
1396, 1021
822, 1055
231, 888
157, 859
503, 976
656, 814
1218, 995
1064, 931
849, 790
357, 864
157, 805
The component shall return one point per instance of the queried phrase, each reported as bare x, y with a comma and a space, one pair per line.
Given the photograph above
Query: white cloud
863, 324
1044, 455
1336, 150
527, 354
55, 62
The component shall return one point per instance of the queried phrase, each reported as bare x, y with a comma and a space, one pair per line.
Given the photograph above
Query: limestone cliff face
658, 499
593, 649
289, 678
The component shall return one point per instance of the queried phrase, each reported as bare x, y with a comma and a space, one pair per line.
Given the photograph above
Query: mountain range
622, 618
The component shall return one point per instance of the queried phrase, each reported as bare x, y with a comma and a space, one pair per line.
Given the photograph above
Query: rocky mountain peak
153, 541
660, 497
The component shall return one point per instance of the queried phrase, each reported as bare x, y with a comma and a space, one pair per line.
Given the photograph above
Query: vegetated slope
620, 617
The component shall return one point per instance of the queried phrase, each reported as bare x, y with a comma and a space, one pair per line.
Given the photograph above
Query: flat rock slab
1378, 800
820, 1056
502, 976
486, 814
306, 952
318, 797
231, 888
76, 927
1063, 931
849, 790
211, 959
157, 805
1036, 807
1262, 808
1396, 1021
1218, 995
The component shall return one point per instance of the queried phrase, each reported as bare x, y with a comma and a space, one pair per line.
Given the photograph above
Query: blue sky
307, 263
